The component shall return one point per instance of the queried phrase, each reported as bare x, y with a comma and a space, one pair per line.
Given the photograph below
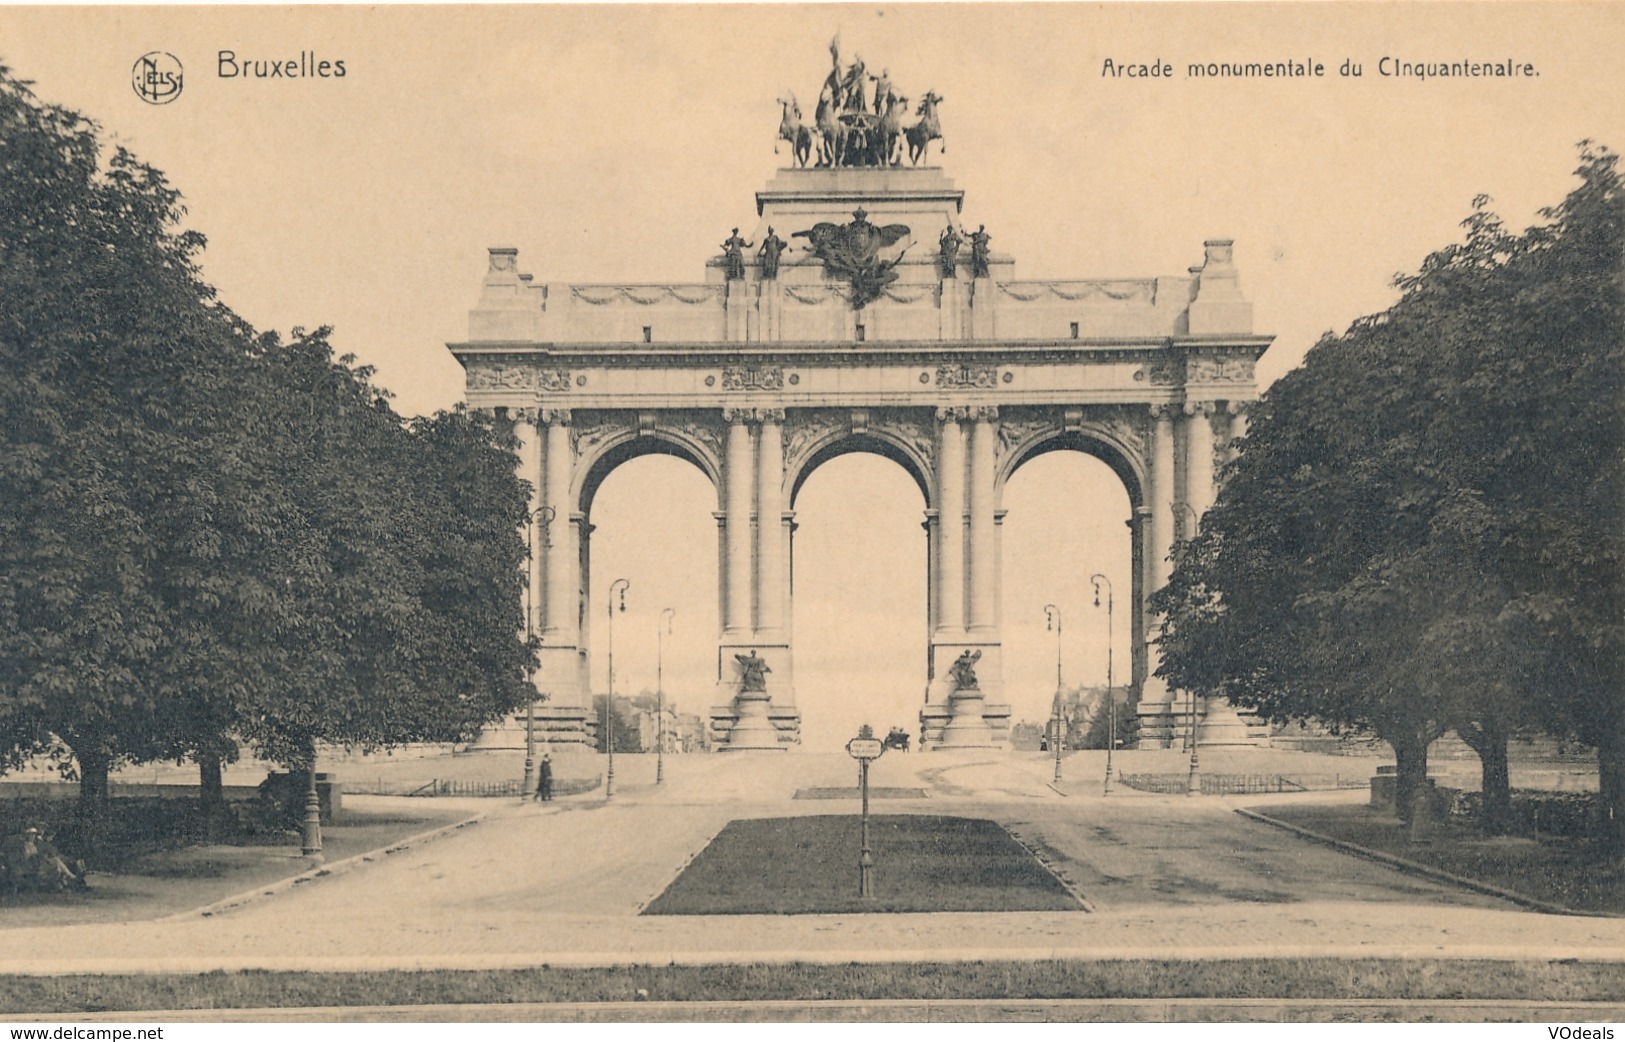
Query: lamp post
1193, 783
617, 590
545, 515
311, 834
667, 615
1052, 618
1111, 693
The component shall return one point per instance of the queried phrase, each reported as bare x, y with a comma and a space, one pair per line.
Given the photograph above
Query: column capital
1201, 408
985, 413
555, 417
1162, 410
1235, 408
952, 413
737, 414
525, 414
770, 415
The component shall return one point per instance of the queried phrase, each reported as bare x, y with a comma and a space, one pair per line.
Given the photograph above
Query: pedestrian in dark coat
544, 779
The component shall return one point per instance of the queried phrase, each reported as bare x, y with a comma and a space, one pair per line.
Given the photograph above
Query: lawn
1298, 979
176, 880
922, 864
1562, 871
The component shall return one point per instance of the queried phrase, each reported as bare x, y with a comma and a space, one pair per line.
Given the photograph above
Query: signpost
864, 749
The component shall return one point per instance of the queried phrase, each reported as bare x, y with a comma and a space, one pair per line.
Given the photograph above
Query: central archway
859, 612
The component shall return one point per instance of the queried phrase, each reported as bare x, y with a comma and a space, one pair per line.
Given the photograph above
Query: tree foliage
1423, 530
208, 535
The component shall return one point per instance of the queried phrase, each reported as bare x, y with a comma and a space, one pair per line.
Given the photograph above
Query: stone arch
598, 462
1126, 461
841, 442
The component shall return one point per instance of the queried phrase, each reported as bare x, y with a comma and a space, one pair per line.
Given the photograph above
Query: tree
1423, 529
209, 535
628, 739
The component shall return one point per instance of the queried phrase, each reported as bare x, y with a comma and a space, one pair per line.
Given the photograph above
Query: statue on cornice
733, 255
979, 253
772, 247
948, 246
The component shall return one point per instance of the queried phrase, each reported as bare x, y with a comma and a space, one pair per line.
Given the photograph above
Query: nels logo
157, 77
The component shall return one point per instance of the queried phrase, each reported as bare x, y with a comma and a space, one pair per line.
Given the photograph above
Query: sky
621, 142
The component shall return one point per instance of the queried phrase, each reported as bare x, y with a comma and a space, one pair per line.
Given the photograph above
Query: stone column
583, 532
983, 548
1160, 528
560, 554
950, 592
1157, 542
1238, 427
1198, 459
738, 480
770, 548
525, 423
563, 718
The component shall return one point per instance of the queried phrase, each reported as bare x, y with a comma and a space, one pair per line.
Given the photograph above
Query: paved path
563, 884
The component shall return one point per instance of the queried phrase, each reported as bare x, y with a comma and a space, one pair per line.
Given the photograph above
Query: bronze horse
791, 129
927, 130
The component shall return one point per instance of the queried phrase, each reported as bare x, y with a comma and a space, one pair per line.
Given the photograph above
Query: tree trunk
211, 785
94, 765
1611, 788
1411, 772
1489, 740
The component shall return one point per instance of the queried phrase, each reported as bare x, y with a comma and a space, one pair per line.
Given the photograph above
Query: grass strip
1564, 980
922, 863
1568, 873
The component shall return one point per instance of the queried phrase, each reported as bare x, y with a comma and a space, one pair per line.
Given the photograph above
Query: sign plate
865, 748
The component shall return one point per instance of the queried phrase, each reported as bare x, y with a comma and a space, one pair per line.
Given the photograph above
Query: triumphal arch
862, 312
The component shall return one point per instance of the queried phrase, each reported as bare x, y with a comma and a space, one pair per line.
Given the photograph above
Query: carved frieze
1165, 372
506, 377
1017, 427
967, 375
751, 378
807, 427
598, 296
1198, 370
697, 425
1123, 424
591, 428
913, 428
1122, 291
1203, 368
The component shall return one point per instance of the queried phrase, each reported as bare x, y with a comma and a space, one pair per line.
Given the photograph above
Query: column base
1223, 725
557, 729
752, 727
985, 725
